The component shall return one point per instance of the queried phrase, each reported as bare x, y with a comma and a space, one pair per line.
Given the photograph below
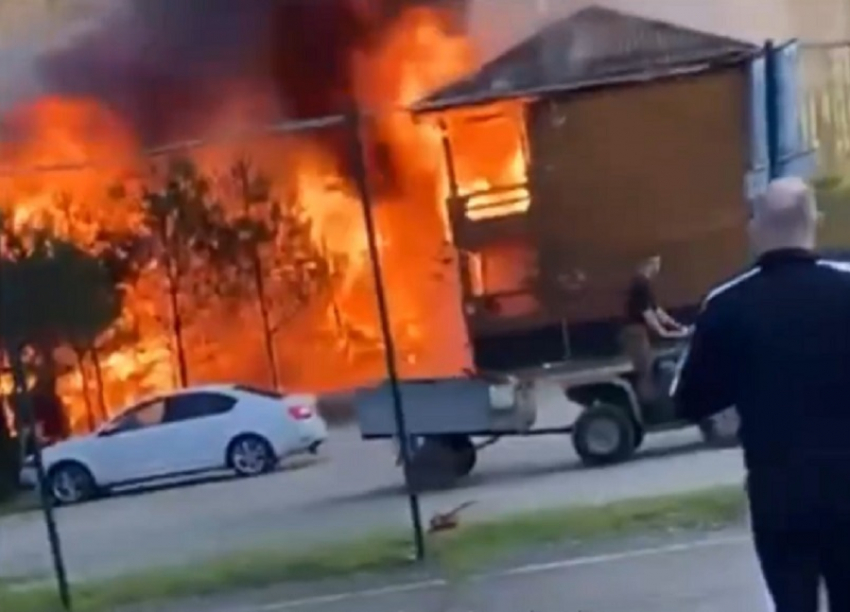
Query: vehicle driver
646, 320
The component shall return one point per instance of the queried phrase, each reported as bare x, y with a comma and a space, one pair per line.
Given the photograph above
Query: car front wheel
251, 455
70, 483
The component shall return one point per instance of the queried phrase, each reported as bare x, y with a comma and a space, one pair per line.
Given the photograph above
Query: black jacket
775, 343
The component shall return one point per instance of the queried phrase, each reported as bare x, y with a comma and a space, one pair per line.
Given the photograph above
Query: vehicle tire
466, 455
251, 455
70, 483
604, 435
433, 466
721, 430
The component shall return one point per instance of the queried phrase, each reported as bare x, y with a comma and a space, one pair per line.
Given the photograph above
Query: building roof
595, 46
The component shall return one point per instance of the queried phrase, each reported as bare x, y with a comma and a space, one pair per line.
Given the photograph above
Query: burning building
640, 137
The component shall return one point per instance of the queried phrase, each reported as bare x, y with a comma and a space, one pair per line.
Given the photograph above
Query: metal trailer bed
444, 416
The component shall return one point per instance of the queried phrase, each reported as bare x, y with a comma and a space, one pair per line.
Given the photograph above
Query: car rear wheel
251, 455
70, 483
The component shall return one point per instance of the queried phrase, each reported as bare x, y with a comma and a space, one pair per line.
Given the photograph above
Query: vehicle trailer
451, 419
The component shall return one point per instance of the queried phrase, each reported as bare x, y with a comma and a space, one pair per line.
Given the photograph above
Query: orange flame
335, 342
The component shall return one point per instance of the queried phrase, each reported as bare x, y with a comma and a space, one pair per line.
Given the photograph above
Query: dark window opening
197, 405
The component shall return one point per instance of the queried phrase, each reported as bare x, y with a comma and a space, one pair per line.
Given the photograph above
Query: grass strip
20, 504
471, 546
484, 542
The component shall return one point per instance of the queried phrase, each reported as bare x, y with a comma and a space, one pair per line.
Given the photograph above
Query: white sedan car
185, 433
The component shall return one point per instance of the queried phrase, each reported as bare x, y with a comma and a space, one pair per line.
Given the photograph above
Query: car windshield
119, 418
116, 423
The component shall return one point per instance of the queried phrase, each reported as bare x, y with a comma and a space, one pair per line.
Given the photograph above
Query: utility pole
361, 178
22, 404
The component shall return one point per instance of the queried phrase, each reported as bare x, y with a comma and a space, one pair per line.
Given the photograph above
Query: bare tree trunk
173, 277
265, 316
48, 405
342, 329
98, 378
177, 331
81, 364
177, 326
259, 282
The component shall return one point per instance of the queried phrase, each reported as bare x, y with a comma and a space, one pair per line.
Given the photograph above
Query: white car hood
66, 448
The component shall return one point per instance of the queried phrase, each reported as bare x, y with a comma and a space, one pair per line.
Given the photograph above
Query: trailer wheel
466, 454
604, 435
434, 465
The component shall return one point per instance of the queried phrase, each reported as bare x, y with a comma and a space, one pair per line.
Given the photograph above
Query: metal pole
24, 406
772, 109
360, 176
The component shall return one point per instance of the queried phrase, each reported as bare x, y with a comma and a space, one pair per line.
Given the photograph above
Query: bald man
775, 343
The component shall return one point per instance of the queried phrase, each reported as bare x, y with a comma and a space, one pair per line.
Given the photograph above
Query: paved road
714, 573
353, 491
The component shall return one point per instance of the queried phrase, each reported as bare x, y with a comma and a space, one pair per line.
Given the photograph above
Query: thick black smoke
165, 64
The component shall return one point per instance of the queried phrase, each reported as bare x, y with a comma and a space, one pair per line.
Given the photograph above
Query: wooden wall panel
622, 173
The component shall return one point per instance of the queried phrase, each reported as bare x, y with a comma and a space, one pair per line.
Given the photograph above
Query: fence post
24, 406
362, 181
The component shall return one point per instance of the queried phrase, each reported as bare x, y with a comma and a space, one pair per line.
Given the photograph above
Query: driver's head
650, 266
785, 216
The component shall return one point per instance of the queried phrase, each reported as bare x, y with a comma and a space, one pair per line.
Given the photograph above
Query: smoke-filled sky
161, 63
499, 23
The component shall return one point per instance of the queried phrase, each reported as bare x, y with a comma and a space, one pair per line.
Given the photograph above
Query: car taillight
300, 413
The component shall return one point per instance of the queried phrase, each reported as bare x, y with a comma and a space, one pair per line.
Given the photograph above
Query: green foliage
54, 293
457, 555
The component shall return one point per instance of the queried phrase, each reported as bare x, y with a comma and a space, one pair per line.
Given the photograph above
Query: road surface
693, 573
353, 491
